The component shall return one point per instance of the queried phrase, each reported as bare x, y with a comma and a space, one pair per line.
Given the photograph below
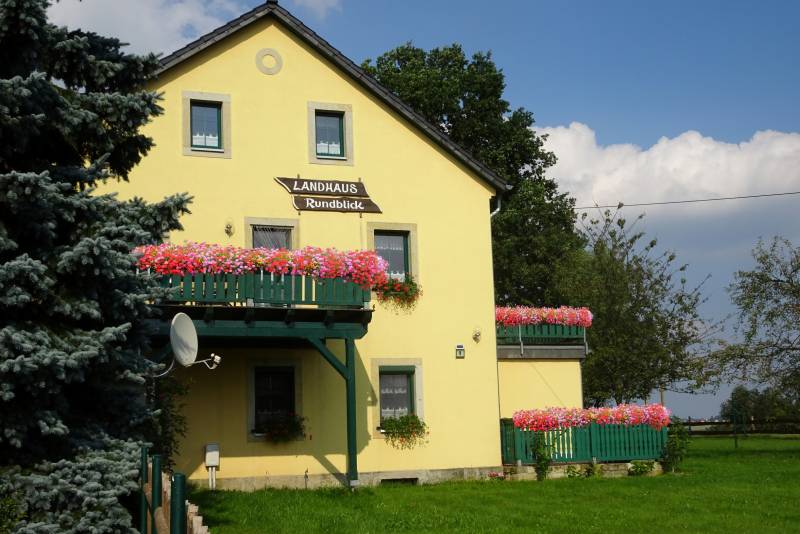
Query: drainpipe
499, 205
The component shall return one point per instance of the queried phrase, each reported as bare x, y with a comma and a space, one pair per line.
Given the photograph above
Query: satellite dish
183, 338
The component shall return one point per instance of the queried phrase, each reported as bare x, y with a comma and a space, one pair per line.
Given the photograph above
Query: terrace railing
265, 289
603, 443
540, 334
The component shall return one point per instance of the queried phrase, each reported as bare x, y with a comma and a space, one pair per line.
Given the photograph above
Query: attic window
330, 133
206, 119
329, 128
206, 124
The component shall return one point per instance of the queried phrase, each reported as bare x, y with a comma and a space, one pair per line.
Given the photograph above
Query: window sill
335, 158
203, 149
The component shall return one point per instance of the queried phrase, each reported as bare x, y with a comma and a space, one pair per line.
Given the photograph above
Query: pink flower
654, 415
363, 267
527, 315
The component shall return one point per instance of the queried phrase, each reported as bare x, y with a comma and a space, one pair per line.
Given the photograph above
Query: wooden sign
336, 188
346, 205
328, 195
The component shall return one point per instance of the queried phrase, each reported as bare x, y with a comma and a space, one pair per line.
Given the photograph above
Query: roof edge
271, 8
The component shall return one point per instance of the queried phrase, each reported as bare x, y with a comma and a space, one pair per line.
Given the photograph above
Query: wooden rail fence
266, 288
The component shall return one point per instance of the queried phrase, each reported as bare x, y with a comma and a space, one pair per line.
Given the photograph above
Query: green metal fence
266, 288
150, 472
604, 443
540, 334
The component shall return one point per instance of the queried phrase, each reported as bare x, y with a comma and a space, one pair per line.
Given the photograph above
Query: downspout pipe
499, 205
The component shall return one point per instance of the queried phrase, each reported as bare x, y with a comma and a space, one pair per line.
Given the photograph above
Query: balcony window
393, 247
272, 236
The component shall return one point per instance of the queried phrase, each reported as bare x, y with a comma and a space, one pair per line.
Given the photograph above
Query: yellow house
263, 98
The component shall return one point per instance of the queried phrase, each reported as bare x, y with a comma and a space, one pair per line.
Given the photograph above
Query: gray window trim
375, 395
345, 109
186, 124
410, 229
249, 222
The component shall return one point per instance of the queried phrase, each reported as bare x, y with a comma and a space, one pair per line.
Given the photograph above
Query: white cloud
320, 8
148, 25
684, 167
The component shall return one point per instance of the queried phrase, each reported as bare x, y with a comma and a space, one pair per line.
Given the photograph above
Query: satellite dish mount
184, 344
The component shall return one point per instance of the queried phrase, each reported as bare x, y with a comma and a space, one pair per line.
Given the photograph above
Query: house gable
271, 10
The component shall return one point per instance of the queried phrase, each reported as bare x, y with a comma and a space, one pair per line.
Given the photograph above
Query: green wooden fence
604, 443
540, 334
266, 288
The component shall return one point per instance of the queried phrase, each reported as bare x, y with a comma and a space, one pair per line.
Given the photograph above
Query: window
393, 247
329, 128
396, 391
330, 133
206, 124
272, 236
273, 389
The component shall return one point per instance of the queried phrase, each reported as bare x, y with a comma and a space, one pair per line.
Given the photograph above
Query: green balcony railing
265, 289
540, 334
604, 443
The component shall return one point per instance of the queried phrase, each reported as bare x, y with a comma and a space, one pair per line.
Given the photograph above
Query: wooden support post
350, 381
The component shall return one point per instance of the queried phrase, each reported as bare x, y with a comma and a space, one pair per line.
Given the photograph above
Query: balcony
540, 334
263, 289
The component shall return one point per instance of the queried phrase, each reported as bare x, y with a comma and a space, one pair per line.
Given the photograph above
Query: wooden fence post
177, 504
155, 489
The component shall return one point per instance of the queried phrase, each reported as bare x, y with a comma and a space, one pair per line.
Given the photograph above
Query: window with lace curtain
393, 247
396, 391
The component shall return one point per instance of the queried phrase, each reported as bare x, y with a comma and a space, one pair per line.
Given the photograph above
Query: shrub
676, 447
573, 471
593, 470
11, 512
640, 468
404, 432
543, 456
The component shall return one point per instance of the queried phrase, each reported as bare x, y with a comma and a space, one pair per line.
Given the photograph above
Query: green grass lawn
721, 489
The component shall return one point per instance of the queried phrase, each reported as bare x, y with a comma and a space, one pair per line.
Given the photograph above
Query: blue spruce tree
73, 407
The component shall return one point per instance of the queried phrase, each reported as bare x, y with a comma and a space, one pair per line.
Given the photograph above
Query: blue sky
643, 101
634, 71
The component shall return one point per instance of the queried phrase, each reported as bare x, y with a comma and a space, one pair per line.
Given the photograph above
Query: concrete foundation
422, 476
608, 470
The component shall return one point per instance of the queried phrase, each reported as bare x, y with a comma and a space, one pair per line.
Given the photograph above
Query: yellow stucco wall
526, 384
413, 181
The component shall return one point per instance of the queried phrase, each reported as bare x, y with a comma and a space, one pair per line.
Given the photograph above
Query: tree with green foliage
768, 298
72, 306
464, 98
767, 404
647, 331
